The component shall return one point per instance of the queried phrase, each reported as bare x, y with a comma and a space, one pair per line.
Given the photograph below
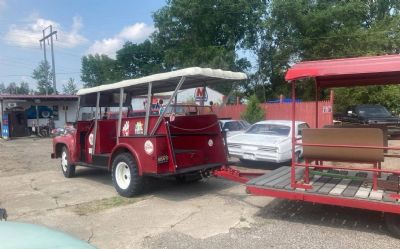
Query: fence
305, 111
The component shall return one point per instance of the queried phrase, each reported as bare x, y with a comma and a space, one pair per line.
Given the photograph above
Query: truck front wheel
67, 168
125, 175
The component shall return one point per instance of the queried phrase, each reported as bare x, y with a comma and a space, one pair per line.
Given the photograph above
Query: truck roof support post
95, 122
148, 107
79, 108
121, 100
168, 104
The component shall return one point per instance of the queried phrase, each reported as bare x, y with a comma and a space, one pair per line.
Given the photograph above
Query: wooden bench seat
344, 136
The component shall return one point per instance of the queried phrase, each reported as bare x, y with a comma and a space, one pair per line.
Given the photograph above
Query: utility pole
43, 40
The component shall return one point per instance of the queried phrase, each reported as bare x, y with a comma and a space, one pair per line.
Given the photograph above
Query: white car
233, 127
268, 141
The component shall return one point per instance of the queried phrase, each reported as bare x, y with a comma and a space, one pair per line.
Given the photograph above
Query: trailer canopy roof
361, 71
164, 82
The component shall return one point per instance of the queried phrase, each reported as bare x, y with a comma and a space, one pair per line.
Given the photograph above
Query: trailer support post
292, 170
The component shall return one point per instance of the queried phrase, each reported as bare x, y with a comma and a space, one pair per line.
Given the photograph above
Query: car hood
23, 235
256, 139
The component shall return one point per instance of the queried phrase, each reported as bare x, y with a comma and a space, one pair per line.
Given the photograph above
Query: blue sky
83, 27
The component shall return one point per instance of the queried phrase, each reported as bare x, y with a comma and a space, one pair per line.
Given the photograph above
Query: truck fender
123, 147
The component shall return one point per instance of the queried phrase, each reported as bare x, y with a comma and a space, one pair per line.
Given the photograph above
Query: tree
208, 33
253, 112
318, 29
12, 88
98, 70
70, 88
43, 76
2, 88
138, 60
23, 88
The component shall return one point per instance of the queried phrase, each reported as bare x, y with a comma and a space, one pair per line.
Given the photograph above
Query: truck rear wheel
393, 224
67, 168
125, 175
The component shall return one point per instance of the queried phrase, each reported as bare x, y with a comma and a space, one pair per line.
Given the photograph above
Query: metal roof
165, 82
372, 70
41, 97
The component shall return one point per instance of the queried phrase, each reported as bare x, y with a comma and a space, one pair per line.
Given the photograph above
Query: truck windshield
373, 111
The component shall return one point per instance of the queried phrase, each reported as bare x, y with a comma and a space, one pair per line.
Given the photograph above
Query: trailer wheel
67, 168
393, 224
125, 175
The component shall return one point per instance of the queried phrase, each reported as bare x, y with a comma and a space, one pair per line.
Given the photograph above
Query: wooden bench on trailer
336, 184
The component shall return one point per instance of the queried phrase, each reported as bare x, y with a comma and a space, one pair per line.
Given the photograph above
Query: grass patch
97, 206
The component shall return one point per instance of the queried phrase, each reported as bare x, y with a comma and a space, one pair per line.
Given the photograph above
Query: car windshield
373, 111
232, 126
269, 129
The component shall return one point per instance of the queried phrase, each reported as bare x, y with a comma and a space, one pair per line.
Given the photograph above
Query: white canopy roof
164, 82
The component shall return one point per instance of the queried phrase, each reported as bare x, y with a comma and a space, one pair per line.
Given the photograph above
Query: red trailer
175, 140
331, 172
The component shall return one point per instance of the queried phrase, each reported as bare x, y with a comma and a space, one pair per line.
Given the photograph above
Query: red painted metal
234, 175
336, 201
374, 70
348, 167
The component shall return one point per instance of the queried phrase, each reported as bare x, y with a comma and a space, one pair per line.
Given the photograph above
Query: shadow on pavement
166, 188
324, 216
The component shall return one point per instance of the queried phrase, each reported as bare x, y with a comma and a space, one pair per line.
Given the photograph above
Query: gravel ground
212, 214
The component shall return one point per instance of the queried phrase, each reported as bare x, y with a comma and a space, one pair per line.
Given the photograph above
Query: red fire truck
181, 141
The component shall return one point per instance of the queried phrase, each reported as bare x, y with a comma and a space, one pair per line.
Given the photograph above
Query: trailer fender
120, 148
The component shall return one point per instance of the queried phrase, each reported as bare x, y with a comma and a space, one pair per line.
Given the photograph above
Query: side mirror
351, 114
226, 129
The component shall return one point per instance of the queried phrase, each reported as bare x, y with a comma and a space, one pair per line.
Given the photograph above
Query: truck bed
328, 190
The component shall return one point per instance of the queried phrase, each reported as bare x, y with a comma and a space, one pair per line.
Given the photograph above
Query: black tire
393, 224
135, 184
66, 167
297, 157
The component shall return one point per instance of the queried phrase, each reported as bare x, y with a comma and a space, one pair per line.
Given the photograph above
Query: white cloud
30, 34
136, 33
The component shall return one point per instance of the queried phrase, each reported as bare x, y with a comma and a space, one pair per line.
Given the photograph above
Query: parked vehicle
19, 235
368, 114
233, 127
268, 141
152, 144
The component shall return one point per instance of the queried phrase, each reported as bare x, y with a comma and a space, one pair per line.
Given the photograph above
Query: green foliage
387, 96
70, 88
13, 88
318, 29
43, 76
138, 60
208, 33
98, 70
254, 112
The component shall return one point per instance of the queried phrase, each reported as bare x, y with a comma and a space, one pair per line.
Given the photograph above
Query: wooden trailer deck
327, 188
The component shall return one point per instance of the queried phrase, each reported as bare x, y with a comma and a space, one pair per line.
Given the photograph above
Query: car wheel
67, 168
297, 157
125, 175
393, 224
